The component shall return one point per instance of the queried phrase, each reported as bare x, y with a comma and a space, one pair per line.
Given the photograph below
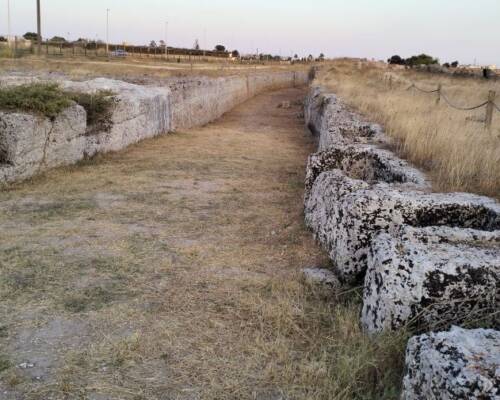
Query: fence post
489, 108
438, 100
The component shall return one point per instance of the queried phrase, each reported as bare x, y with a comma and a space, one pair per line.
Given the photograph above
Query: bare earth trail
166, 271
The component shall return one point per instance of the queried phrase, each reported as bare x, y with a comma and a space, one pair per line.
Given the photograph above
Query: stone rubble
427, 260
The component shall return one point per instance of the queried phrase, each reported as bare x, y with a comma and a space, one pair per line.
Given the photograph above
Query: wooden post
438, 100
489, 108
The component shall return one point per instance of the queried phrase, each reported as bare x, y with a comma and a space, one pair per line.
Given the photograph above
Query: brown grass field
452, 146
170, 270
139, 70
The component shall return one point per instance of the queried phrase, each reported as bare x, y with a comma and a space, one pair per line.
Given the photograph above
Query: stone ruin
30, 144
426, 260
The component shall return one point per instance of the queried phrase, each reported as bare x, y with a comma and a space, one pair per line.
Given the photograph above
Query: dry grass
453, 146
170, 270
134, 69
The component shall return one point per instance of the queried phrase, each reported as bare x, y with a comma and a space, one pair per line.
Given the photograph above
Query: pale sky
464, 30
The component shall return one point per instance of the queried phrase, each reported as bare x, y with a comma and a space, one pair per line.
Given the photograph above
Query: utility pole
8, 20
107, 31
166, 37
204, 41
39, 27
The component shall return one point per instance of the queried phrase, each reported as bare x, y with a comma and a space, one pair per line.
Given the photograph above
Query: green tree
422, 59
220, 47
396, 60
30, 36
58, 39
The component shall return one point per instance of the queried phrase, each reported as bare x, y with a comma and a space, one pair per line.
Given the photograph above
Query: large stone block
459, 364
30, 143
342, 205
333, 123
363, 162
430, 278
139, 112
367, 212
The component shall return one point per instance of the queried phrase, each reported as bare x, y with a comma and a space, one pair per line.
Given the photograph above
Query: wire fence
490, 103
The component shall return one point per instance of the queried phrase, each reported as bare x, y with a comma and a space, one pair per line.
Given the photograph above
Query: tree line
421, 59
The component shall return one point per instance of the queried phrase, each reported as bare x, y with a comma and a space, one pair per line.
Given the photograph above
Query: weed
4, 363
92, 298
99, 109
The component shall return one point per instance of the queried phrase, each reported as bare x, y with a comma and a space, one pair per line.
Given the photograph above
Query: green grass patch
48, 99
41, 98
4, 363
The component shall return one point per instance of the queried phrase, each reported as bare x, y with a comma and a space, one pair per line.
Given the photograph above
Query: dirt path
166, 271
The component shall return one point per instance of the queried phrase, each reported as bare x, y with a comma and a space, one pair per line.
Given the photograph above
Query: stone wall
198, 101
426, 260
31, 144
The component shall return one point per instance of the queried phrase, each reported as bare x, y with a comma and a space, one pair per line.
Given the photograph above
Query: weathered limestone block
332, 178
431, 278
368, 212
139, 112
333, 123
363, 162
31, 143
201, 100
198, 101
323, 206
459, 364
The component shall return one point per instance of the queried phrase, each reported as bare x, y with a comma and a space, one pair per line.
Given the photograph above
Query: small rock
320, 276
26, 365
285, 105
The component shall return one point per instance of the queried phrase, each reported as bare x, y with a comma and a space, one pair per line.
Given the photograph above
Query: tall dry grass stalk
452, 146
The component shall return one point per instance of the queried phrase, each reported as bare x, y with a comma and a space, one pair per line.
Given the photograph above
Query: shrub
396, 60
41, 98
48, 99
422, 59
30, 36
99, 109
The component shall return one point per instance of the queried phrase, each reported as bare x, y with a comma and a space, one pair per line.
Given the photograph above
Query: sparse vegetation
99, 108
43, 98
4, 363
452, 146
49, 99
